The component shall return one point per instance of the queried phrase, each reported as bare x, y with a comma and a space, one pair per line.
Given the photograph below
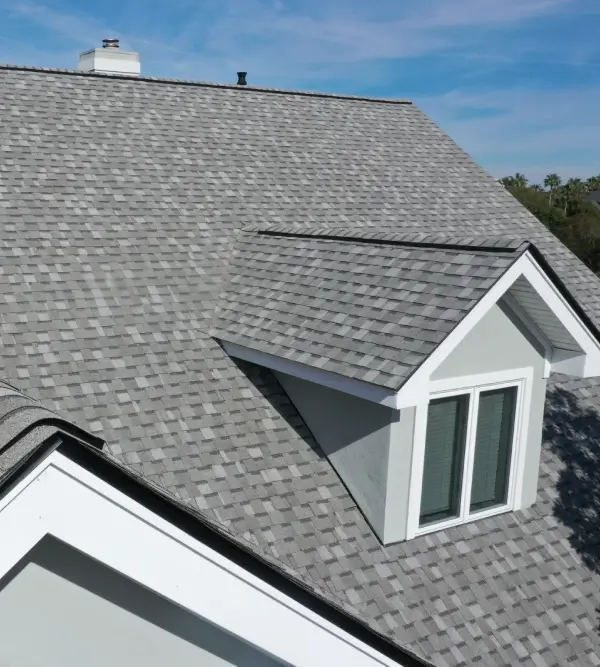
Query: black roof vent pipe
242, 79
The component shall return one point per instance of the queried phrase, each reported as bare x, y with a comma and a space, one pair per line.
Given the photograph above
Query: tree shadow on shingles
572, 431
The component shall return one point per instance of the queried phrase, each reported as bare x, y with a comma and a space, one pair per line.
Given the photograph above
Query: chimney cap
110, 43
242, 79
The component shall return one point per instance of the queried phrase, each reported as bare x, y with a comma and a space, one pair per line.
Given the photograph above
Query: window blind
493, 444
444, 455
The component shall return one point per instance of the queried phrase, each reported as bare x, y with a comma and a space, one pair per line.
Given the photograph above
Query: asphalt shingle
119, 200
366, 306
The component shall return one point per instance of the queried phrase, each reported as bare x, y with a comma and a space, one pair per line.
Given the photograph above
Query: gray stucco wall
371, 446
59, 608
497, 343
355, 436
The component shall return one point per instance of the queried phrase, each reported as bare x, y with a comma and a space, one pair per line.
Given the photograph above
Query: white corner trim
63, 499
369, 392
416, 473
473, 384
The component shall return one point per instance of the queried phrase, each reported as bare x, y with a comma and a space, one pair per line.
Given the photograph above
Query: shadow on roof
573, 432
267, 384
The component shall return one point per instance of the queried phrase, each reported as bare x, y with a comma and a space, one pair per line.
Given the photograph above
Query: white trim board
62, 499
521, 378
369, 392
582, 363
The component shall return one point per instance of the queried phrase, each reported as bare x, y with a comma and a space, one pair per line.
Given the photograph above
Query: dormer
419, 363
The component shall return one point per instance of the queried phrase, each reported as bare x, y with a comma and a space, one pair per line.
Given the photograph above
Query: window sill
460, 521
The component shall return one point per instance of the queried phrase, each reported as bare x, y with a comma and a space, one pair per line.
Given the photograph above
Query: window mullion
467, 481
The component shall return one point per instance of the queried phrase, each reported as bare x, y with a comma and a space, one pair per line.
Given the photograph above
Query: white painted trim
521, 315
62, 499
568, 362
525, 266
416, 473
473, 385
415, 390
369, 392
563, 311
455, 385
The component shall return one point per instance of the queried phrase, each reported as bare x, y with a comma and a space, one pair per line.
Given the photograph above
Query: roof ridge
471, 242
206, 84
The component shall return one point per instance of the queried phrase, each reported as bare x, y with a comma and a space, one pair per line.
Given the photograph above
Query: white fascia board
517, 311
420, 378
586, 363
369, 392
62, 499
567, 316
525, 266
569, 362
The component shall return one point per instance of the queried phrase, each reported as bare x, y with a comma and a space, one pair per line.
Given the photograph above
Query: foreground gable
61, 499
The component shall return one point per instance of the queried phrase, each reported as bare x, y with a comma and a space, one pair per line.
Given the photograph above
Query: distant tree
563, 209
508, 181
581, 234
537, 187
552, 182
592, 184
519, 180
573, 191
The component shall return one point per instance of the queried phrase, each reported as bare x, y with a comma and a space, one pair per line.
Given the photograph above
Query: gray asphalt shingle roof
370, 307
119, 200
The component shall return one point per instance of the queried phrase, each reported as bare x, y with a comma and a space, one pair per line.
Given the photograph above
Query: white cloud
290, 44
77, 27
302, 43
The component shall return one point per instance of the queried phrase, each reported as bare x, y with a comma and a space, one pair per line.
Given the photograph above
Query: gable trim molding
359, 388
62, 499
582, 363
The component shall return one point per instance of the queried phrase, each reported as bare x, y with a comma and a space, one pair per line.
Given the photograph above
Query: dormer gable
399, 351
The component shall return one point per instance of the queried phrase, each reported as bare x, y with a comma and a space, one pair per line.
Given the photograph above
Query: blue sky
515, 82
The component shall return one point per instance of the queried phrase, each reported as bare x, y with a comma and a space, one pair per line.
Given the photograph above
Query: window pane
493, 445
444, 454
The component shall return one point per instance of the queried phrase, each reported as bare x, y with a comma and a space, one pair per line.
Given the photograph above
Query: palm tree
519, 180
537, 187
552, 182
574, 189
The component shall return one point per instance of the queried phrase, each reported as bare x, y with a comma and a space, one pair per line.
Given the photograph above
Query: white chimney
110, 60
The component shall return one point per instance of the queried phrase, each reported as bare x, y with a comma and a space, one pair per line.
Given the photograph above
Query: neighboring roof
118, 205
594, 197
365, 306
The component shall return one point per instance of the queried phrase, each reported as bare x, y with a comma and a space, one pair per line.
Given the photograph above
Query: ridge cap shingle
415, 239
206, 84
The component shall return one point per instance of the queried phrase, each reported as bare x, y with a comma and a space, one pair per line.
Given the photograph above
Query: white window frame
473, 385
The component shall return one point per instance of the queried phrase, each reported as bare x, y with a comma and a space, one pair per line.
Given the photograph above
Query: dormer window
419, 363
472, 448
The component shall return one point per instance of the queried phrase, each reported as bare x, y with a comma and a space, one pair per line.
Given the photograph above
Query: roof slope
369, 307
118, 201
